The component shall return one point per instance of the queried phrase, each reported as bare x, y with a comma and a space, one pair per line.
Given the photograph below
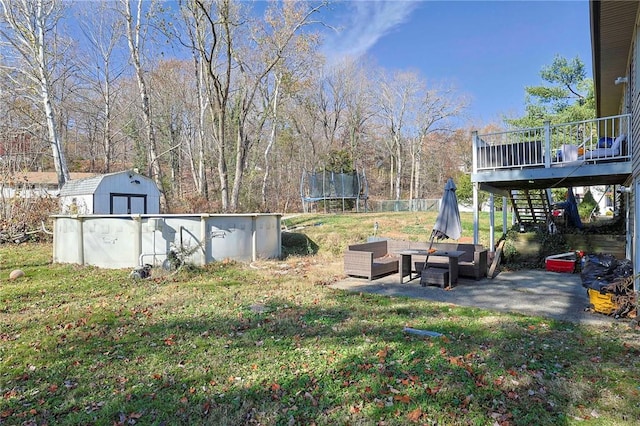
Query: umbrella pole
426, 260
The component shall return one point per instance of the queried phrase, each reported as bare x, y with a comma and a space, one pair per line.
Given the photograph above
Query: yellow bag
602, 302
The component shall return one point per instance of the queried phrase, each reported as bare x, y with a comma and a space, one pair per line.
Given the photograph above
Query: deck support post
476, 215
547, 144
504, 216
474, 151
492, 222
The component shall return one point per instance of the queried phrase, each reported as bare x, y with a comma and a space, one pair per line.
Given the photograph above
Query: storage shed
126, 192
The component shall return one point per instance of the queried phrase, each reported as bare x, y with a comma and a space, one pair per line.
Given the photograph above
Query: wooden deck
588, 153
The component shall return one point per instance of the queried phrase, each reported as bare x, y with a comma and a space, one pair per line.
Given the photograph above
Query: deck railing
551, 145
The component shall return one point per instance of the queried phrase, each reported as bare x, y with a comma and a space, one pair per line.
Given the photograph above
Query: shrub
588, 205
23, 218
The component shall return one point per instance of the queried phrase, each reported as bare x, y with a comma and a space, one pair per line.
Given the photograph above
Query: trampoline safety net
328, 187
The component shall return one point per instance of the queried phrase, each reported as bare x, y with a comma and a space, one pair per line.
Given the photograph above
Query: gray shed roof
87, 185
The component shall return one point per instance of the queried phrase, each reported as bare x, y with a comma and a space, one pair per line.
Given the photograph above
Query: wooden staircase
531, 206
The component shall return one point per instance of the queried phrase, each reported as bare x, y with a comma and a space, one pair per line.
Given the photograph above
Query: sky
489, 50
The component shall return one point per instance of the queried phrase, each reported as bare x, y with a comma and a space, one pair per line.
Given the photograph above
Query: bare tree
235, 77
434, 109
102, 68
360, 105
397, 96
195, 25
297, 57
173, 98
29, 28
213, 45
290, 21
135, 30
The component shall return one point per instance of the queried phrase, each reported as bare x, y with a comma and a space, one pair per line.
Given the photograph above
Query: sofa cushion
468, 250
396, 246
378, 248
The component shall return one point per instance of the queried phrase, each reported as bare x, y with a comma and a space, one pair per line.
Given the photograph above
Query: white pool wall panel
123, 241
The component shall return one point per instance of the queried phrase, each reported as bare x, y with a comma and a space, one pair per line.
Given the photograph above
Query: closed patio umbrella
448, 221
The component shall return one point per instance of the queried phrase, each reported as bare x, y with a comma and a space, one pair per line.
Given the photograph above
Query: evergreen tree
568, 96
588, 205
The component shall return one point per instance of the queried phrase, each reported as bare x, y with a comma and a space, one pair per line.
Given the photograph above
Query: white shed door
128, 204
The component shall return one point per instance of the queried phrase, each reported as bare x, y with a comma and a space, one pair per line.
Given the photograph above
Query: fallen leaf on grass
466, 401
433, 390
94, 406
382, 354
480, 383
12, 393
311, 398
402, 398
415, 415
130, 419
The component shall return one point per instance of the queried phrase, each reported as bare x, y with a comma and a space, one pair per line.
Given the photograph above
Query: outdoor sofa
373, 259
606, 148
472, 264
378, 258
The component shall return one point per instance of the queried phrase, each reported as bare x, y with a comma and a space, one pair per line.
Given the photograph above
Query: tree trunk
241, 160
106, 137
133, 37
272, 138
398, 174
201, 181
59, 161
24, 29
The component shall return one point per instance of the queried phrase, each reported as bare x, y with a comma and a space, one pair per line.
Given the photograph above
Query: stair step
531, 206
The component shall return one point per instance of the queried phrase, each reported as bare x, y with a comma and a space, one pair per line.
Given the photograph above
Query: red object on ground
564, 262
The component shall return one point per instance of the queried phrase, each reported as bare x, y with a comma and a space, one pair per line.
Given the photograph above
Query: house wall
632, 98
78, 204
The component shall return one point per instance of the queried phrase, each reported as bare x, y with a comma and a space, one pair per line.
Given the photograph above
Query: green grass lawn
271, 344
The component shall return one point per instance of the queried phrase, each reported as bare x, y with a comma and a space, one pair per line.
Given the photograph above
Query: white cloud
363, 23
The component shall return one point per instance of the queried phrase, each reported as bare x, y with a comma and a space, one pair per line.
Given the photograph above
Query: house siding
632, 92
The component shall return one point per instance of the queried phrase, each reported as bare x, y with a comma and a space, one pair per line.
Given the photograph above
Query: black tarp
601, 270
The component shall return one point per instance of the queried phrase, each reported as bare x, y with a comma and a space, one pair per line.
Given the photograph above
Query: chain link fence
416, 205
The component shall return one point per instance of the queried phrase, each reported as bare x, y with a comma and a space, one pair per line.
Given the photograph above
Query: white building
126, 192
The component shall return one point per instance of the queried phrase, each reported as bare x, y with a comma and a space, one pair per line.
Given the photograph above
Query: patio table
406, 262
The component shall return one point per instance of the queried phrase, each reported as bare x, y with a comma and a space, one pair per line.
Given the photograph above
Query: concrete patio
541, 293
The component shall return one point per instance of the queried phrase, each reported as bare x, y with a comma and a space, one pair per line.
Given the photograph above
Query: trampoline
331, 189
